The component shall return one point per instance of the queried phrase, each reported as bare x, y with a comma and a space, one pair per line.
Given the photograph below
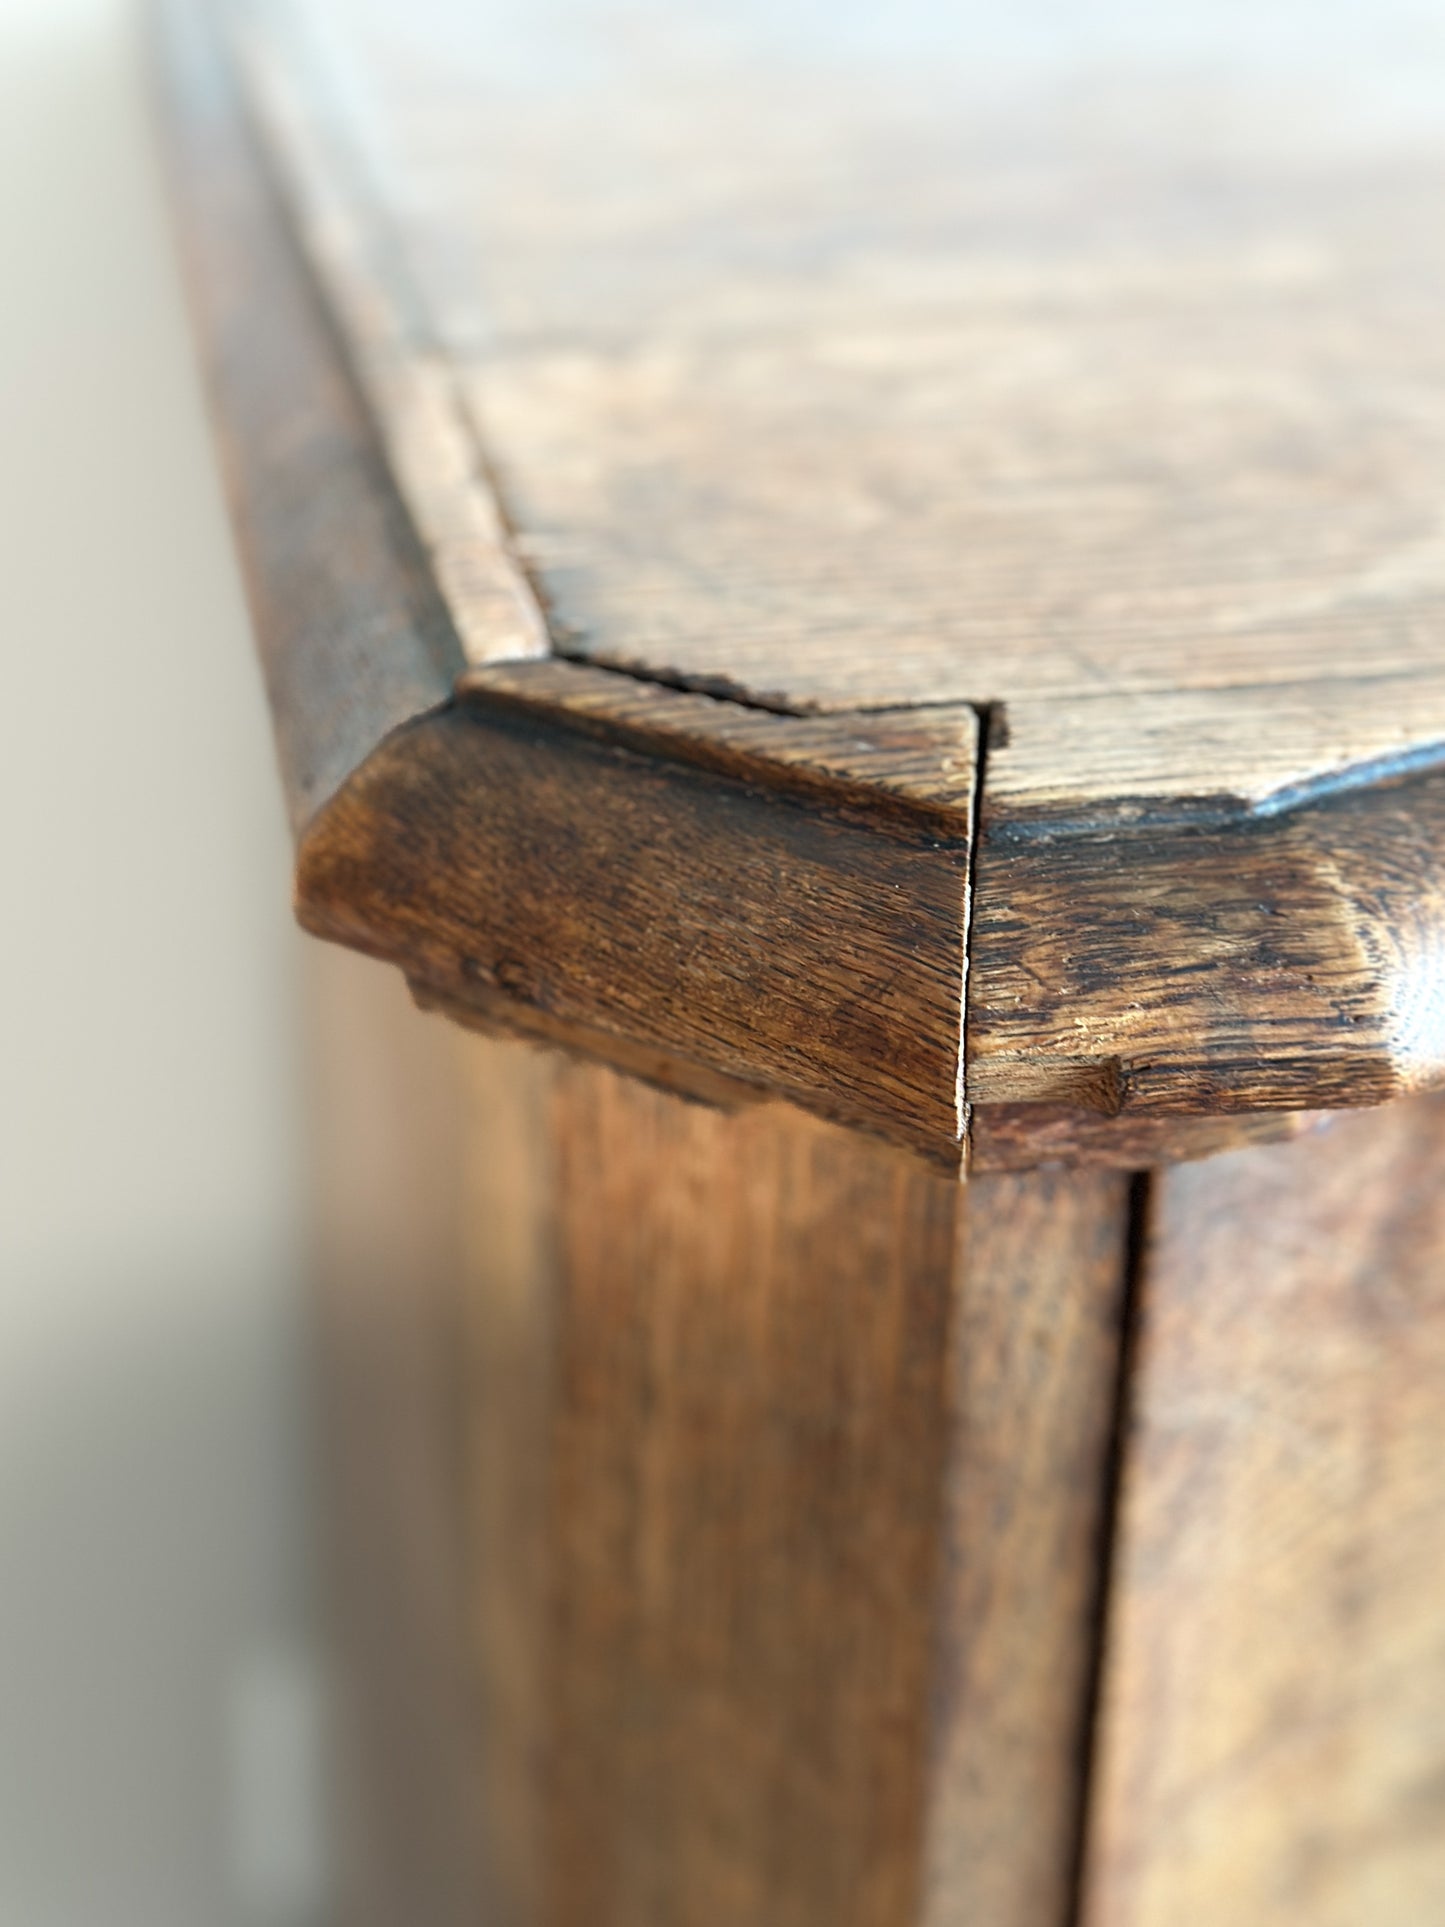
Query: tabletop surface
1075, 378
841, 358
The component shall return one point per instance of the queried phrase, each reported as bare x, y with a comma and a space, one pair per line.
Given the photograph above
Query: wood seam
1131, 1312
989, 718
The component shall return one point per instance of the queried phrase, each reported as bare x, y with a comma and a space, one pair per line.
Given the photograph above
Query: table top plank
1036, 441
842, 366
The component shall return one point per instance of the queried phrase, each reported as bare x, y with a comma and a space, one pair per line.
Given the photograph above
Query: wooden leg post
782, 1462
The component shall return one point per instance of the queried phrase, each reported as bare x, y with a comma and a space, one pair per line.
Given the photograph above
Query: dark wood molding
1154, 960
778, 925
1188, 906
353, 637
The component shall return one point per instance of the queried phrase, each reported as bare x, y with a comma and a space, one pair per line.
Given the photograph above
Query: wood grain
1193, 901
1037, 1345
408, 384
1027, 1137
752, 1388
788, 1459
354, 638
934, 363
907, 435
802, 935
1274, 1706
1189, 756
1233, 960
1204, 902
514, 1319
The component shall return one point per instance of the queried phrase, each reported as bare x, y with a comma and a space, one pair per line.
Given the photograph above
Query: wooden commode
855, 600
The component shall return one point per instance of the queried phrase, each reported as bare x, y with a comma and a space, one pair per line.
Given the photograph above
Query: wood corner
720, 899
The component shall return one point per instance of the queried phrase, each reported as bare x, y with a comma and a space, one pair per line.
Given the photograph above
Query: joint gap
989, 716
1141, 1202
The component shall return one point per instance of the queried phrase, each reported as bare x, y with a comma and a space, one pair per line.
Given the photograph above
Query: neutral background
157, 1703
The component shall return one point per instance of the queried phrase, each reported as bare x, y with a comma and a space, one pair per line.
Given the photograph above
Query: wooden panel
508, 1366
788, 1462
749, 1441
1037, 1340
941, 361
1204, 757
986, 507
1274, 1711
764, 1466
925, 758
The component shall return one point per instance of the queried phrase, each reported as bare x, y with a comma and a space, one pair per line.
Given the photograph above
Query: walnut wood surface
788, 1460
1149, 482
1274, 1704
